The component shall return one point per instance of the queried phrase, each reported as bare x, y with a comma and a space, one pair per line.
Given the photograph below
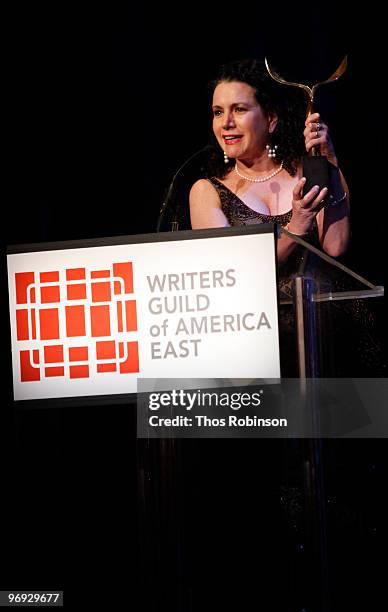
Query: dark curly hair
288, 103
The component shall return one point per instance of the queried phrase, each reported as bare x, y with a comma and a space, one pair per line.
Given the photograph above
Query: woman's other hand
305, 208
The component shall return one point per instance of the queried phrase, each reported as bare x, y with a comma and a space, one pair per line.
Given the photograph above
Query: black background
102, 106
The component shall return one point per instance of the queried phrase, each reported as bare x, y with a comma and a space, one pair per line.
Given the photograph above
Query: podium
306, 303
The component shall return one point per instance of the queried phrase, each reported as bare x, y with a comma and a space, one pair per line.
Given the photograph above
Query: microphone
164, 208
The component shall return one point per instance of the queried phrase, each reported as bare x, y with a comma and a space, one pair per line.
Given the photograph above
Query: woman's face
239, 123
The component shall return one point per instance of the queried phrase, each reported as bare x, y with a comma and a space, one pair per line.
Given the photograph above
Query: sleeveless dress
239, 213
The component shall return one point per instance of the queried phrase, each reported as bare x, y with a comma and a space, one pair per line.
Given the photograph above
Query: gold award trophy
316, 168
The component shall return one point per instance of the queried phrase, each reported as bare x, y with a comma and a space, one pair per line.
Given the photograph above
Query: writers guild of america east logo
77, 322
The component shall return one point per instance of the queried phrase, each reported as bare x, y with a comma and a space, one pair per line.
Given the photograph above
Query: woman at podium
255, 175
262, 134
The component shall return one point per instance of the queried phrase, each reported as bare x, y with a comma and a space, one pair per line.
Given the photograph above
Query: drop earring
271, 151
226, 158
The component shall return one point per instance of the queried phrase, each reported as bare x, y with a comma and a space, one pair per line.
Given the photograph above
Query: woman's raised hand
317, 133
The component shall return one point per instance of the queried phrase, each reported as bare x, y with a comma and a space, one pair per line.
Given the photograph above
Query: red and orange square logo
76, 322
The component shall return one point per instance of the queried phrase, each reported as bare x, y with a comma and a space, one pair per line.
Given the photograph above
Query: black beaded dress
238, 213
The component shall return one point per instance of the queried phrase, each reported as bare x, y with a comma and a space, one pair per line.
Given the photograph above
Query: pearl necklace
259, 180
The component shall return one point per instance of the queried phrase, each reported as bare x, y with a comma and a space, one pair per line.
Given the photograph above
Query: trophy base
316, 169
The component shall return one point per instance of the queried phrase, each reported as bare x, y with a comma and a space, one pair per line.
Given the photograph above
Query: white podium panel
89, 318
